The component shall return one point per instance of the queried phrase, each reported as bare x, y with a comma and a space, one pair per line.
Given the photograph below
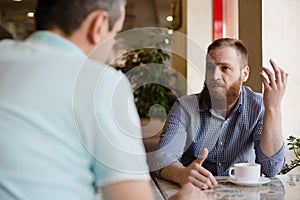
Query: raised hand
271, 140
274, 86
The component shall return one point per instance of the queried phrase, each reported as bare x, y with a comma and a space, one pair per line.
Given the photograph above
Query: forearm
172, 172
271, 139
275, 85
129, 190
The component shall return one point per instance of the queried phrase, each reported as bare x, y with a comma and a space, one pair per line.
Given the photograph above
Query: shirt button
220, 164
221, 143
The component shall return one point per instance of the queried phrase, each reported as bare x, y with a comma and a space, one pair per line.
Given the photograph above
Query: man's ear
99, 26
245, 73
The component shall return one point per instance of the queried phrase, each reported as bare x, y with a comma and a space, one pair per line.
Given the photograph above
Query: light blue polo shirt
68, 125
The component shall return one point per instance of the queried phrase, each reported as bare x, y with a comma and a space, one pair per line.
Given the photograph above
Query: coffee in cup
245, 172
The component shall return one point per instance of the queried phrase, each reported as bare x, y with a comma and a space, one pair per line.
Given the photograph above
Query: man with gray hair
61, 134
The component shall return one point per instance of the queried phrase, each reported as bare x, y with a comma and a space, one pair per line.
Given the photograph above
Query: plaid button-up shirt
192, 126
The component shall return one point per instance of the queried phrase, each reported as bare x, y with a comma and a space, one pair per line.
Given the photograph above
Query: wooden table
281, 187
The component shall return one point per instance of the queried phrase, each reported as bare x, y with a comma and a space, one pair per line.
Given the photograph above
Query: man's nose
216, 74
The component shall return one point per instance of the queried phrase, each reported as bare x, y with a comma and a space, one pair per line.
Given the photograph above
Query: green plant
150, 79
294, 145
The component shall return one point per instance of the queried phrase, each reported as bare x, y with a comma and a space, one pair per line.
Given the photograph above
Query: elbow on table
274, 169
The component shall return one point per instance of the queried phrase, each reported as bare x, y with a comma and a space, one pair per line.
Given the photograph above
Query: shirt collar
203, 103
53, 40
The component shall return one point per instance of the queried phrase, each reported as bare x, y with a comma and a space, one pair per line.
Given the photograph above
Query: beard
220, 97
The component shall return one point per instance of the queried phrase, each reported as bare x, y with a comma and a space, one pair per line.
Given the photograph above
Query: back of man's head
68, 15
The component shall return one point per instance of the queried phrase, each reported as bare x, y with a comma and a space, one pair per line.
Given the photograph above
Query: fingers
276, 79
264, 80
205, 180
202, 181
284, 77
277, 71
280, 74
270, 80
201, 177
202, 157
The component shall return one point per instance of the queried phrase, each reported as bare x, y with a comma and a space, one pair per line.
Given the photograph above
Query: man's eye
225, 68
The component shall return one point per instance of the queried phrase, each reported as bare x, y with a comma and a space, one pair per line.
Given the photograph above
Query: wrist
273, 109
178, 173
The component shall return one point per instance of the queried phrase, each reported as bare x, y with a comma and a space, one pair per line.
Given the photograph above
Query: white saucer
262, 180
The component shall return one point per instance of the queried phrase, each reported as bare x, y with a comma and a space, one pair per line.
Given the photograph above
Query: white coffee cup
245, 172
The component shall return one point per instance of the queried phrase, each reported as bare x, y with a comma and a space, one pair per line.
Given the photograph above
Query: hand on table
189, 192
197, 175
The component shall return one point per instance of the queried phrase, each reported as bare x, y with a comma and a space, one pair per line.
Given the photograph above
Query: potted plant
294, 145
144, 58
150, 80
145, 64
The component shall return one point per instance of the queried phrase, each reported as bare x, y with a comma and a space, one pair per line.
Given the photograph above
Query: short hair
230, 42
68, 15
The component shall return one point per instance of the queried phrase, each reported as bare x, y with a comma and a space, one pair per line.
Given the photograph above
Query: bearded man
227, 123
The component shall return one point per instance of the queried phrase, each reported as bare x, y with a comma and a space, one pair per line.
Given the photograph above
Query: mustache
215, 84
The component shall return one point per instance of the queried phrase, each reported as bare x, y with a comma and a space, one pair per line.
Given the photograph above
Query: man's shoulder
250, 93
9, 45
102, 69
189, 101
251, 97
188, 98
